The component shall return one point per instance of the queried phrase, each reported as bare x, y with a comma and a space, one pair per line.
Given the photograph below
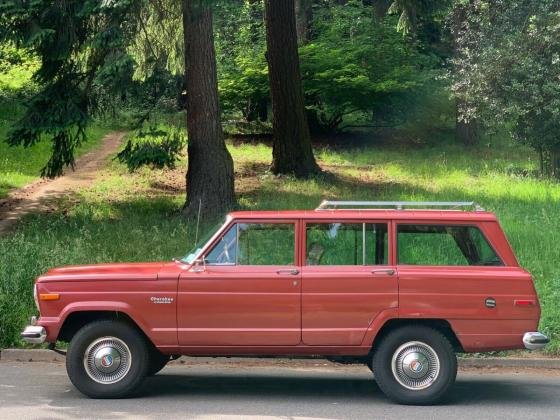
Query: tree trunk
380, 8
541, 160
303, 17
291, 151
466, 132
210, 184
555, 162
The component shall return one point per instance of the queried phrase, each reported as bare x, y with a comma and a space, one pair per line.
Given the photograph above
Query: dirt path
36, 196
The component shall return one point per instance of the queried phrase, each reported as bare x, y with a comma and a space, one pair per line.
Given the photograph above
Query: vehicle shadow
263, 386
468, 390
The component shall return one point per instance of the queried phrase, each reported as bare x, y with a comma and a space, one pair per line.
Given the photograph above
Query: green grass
136, 217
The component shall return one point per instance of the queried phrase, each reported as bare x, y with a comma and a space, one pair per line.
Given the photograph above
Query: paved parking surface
254, 390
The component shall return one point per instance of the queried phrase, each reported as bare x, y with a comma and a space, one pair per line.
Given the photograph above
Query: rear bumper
34, 334
535, 340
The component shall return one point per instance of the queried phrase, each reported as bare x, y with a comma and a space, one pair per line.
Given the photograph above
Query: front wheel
107, 359
415, 365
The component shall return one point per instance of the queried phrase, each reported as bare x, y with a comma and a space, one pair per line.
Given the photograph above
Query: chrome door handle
291, 272
388, 271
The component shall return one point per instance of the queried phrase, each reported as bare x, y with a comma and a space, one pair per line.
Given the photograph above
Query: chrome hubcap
415, 365
107, 360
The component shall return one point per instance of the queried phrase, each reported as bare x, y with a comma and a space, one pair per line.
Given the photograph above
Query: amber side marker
49, 296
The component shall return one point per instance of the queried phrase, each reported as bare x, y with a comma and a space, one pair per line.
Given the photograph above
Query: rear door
347, 280
247, 293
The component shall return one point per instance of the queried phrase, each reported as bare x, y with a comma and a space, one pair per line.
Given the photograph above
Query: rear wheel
107, 359
415, 365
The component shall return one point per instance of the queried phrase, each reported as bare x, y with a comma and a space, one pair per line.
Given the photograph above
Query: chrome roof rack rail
398, 205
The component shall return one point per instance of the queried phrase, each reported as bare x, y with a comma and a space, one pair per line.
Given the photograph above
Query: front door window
255, 244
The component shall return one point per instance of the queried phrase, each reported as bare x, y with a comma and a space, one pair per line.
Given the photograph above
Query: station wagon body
400, 289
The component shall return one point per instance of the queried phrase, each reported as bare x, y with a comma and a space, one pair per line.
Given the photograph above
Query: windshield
193, 253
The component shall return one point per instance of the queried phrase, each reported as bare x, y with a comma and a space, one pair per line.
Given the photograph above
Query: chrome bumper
34, 334
535, 340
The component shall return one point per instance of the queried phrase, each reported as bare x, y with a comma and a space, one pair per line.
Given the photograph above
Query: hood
121, 271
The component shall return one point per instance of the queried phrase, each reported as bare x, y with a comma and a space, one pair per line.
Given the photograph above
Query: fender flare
105, 306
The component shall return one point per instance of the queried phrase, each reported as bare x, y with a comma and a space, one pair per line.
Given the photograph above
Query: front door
346, 281
247, 292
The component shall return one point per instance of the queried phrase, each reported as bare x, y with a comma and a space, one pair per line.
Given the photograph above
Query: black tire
369, 363
129, 349
394, 375
158, 361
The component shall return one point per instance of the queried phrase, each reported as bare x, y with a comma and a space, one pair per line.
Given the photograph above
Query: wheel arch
441, 325
75, 320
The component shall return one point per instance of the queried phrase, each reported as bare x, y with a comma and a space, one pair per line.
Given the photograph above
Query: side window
346, 243
255, 244
444, 245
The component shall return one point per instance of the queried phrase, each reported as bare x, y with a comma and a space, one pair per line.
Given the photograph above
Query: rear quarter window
444, 245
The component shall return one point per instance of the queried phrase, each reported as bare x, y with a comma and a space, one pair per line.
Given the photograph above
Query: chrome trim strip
535, 340
34, 334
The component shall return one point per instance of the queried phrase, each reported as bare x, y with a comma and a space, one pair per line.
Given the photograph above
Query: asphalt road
274, 389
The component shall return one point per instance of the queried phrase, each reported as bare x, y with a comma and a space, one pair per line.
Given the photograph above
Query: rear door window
346, 243
452, 245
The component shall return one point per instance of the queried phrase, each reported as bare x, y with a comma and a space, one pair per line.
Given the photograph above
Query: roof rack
398, 205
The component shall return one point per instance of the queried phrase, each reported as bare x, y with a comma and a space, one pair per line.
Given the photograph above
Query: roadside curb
30, 355
509, 362
43, 355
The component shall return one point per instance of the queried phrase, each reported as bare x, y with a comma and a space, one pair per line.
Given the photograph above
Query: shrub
157, 147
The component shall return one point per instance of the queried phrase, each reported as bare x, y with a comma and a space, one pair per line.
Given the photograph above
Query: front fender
160, 335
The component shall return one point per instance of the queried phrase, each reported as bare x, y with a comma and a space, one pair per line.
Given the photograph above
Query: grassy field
136, 217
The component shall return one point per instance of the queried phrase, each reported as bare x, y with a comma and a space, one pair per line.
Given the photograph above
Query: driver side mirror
199, 265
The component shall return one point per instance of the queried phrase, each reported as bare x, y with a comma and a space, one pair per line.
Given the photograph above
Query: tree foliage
364, 63
356, 67
512, 77
81, 45
242, 66
352, 65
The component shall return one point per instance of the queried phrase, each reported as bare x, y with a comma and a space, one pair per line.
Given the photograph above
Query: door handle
291, 271
388, 271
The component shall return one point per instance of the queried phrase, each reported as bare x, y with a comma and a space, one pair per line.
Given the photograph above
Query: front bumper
535, 340
34, 334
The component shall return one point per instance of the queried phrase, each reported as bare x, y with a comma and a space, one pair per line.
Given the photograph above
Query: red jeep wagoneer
402, 287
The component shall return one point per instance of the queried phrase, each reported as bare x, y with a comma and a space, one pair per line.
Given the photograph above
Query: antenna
198, 221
